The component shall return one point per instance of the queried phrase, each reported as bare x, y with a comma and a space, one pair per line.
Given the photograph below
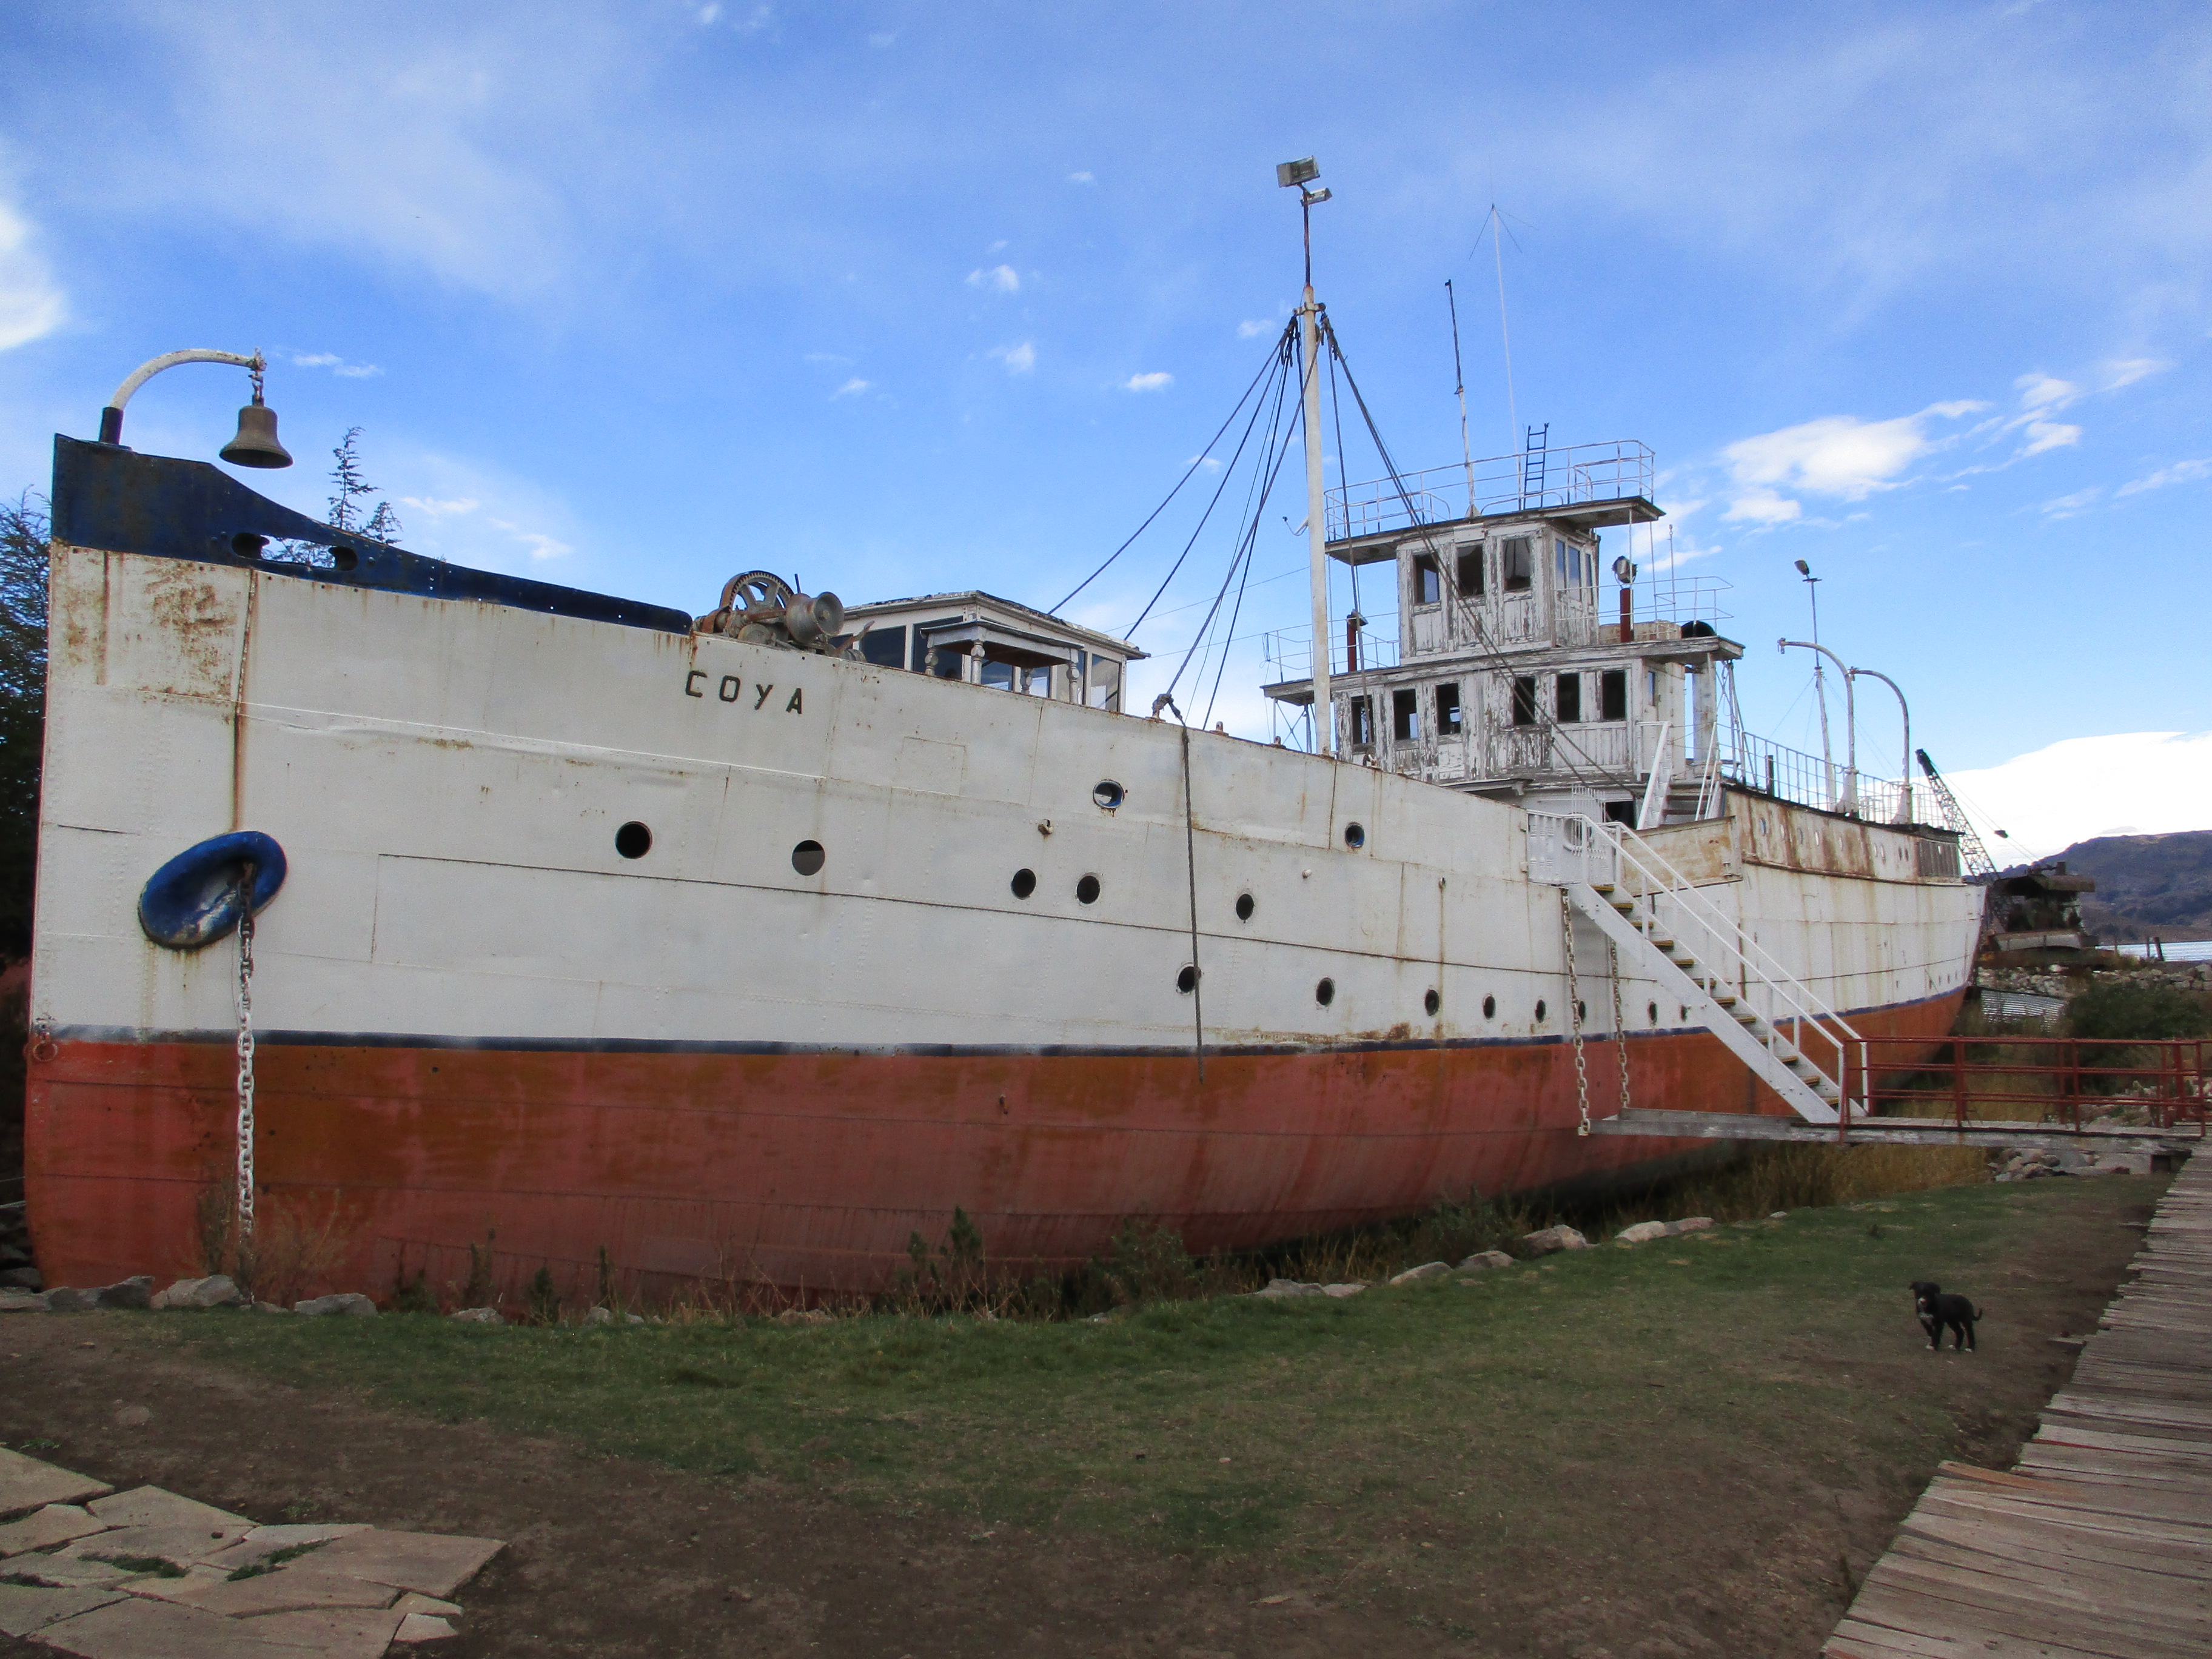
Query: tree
380, 525
23, 534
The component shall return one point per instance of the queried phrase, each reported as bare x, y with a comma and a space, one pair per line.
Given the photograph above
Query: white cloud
708, 15
32, 304
830, 357
2180, 472
2049, 434
2128, 370
1157, 381
882, 40
1000, 279
852, 388
2068, 507
1253, 329
1206, 461
1763, 506
2039, 393
429, 506
1019, 359
1081, 179
2138, 782
1838, 455
337, 365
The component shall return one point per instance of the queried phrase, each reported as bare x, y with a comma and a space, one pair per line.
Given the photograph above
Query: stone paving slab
197, 1581
285, 1590
179, 1546
265, 1541
23, 1610
331, 1633
133, 1628
415, 1601
42, 1530
436, 1563
66, 1570
26, 1484
423, 1627
149, 1506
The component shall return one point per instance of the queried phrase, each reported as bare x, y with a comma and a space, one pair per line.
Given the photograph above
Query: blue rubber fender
193, 899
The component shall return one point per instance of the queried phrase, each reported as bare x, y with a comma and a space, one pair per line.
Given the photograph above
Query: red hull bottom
810, 1170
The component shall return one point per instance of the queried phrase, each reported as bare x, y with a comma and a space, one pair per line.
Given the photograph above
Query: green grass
1449, 1409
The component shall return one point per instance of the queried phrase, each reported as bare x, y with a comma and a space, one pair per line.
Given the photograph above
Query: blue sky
906, 297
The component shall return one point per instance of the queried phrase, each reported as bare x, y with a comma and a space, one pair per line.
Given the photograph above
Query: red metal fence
2063, 1081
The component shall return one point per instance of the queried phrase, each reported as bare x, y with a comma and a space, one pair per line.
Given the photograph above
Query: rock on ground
1282, 1287
1482, 1259
216, 1290
1554, 1238
1642, 1233
1427, 1270
352, 1303
480, 1316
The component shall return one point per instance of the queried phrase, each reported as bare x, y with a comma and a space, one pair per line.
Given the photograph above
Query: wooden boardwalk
2100, 1542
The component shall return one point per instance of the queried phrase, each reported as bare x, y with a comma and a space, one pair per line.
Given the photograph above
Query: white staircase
1666, 927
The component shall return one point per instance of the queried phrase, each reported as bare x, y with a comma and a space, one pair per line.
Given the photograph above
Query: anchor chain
245, 1058
1620, 1025
1575, 1017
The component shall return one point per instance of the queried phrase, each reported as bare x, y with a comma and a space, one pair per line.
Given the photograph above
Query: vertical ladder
1669, 929
1531, 463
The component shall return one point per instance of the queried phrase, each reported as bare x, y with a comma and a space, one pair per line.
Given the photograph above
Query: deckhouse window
1612, 695
1516, 564
1405, 715
1448, 715
1105, 683
885, 646
1470, 572
1363, 721
1569, 693
1428, 581
1524, 700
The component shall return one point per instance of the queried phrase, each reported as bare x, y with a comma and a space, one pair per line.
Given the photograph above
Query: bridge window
1448, 716
1524, 700
1516, 564
1404, 716
1470, 572
1428, 581
885, 646
1612, 695
1362, 721
1570, 698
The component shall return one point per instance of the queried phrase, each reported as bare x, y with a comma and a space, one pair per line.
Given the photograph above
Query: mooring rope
246, 1057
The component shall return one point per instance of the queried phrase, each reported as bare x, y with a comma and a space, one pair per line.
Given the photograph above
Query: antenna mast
1301, 173
1515, 436
1459, 375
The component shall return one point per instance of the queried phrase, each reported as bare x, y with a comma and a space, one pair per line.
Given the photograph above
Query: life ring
193, 900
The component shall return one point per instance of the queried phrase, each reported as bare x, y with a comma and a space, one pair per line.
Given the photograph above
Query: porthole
1086, 890
1433, 1002
1325, 993
1187, 981
1108, 793
1540, 1011
1024, 883
1355, 837
633, 841
345, 558
1243, 907
1489, 1008
808, 858
1652, 1009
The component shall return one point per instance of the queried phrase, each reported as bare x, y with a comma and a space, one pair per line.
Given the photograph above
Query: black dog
1938, 1312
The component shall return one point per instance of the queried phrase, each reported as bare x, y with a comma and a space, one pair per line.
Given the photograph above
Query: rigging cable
1199, 461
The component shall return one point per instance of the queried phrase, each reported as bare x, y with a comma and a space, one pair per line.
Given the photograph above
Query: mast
1300, 173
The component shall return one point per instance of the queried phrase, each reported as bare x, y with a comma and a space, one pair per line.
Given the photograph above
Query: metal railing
1607, 472
1826, 785
2038, 1079
1572, 847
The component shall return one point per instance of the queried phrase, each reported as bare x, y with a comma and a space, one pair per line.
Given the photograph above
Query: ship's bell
256, 443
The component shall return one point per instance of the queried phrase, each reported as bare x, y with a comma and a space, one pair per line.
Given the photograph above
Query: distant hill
2146, 886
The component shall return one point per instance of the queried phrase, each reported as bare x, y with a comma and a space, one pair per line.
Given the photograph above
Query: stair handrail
1796, 1000
1804, 1008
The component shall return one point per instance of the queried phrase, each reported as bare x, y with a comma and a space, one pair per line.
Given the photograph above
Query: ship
469, 919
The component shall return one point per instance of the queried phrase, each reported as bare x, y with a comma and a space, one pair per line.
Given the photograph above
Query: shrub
2137, 1013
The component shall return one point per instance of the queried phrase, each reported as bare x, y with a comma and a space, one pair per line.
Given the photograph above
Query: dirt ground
611, 1557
